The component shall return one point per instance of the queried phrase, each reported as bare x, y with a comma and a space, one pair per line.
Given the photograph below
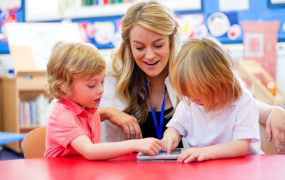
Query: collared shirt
68, 121
236, 121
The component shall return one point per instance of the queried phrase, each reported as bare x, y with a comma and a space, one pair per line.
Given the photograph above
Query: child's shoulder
61, 109
245, 97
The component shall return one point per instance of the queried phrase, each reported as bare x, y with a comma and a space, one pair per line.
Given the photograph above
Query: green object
88, 2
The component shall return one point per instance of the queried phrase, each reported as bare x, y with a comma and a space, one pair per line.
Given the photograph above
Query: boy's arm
171, 139
104, 151
229, 149
128, 123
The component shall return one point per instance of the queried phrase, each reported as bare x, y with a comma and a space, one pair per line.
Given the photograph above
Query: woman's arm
128, 123
104, 151
230, 149
274, 119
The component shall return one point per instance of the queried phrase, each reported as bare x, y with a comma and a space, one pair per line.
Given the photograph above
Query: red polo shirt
68, 121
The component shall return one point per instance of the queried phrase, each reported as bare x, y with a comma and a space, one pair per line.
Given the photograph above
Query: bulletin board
11, 15
230, 12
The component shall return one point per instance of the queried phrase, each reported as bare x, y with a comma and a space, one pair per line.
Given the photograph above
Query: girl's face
200, 101
150, 50
88, 92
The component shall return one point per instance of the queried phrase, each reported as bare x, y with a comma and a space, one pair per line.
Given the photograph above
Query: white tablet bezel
160, 156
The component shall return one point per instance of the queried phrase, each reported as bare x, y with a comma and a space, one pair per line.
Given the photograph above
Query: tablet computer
163, 155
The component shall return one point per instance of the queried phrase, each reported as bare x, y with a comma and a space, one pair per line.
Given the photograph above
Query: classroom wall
259, 10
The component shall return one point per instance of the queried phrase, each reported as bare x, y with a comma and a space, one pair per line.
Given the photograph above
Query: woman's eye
91, 86
139, 48
158, 46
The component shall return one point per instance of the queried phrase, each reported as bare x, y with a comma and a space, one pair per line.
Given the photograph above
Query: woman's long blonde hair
204, 69
158, 18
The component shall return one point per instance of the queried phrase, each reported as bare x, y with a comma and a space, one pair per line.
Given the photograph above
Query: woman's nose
150, 54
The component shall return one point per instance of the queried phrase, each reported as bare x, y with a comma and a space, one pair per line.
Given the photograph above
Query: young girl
76, 73
217, 114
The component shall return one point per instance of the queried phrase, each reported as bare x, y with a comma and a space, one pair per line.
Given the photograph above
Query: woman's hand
128, 123
275, 128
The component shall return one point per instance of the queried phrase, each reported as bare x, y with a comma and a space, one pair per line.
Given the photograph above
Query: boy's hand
192, 154
150, 146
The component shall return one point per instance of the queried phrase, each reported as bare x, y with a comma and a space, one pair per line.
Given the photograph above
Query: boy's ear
62, 88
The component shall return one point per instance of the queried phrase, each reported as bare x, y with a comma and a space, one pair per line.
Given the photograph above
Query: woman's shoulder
109, 62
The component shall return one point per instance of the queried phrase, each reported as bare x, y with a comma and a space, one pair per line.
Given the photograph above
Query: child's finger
183, 156
169, 147
191, 158
157, 145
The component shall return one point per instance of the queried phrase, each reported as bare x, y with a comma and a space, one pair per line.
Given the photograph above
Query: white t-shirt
236, 121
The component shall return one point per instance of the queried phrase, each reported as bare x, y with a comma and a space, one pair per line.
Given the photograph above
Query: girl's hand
168, 144
171, 139
193, 154
150, 146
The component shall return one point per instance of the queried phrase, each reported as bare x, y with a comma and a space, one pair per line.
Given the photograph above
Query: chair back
34, 143
266, 147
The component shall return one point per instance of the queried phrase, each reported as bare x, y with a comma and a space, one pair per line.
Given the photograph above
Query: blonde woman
138, 82
217, 114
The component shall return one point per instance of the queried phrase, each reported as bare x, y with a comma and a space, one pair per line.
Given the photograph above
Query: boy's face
88, 92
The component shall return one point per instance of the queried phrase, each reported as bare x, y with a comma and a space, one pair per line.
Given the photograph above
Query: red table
253, 167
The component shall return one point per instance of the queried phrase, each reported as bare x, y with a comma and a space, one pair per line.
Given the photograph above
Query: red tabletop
253, 167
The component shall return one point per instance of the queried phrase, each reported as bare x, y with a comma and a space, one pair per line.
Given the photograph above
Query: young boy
76, 73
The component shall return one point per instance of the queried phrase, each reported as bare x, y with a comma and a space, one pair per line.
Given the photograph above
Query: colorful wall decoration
223, 22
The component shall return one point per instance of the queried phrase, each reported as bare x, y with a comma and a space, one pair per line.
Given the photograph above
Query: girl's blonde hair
158, 18
70, 61
204, 69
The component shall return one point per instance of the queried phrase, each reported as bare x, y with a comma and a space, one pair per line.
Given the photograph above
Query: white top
236, 121
111, 132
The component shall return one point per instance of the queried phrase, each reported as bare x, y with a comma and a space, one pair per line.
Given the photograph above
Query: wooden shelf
15, 90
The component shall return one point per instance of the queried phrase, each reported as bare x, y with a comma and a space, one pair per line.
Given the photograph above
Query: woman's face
150, 50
